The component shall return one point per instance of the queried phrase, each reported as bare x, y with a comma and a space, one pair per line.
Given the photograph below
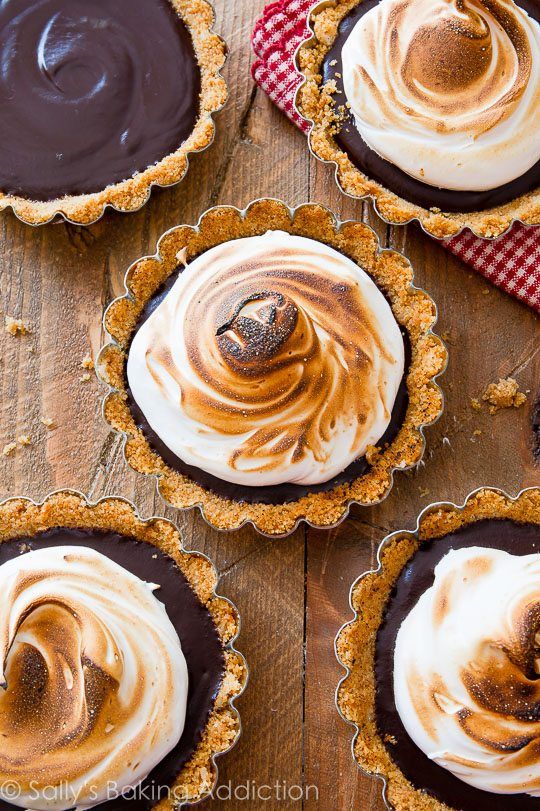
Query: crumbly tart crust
355, 643
316, 103
132, 193
21, 517
412, 307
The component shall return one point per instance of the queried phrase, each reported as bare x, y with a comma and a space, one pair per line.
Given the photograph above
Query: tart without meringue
117, 664
444, 658
100, 101
431, 108
272, 366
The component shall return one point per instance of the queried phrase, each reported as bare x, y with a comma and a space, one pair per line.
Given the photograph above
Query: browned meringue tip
315, 106
21, 516
354, 644
413, 308
132, 194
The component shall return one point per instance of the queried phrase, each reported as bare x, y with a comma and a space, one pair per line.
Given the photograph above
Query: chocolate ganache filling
91, 92
449, 69
415, 579
259, 327
192, 622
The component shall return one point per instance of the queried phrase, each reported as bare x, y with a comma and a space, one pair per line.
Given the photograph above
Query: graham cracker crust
21, 517
132, 193
317, 104
412, 307
355, 644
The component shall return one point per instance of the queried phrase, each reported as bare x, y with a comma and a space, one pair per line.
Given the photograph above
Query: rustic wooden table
292, 594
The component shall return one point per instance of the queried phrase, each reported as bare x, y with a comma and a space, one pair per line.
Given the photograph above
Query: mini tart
23, 518
132, 193
316, 102
356, 641
412, 308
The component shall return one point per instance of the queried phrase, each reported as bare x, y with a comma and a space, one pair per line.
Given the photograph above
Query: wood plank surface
292, 594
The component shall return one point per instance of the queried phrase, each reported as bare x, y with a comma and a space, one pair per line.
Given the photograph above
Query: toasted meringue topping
95, 679
466, 676
447, 90
273, 358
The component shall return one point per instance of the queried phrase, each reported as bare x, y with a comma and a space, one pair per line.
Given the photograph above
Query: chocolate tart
152, 550
276, 511
360, 172
102, 102
381, 599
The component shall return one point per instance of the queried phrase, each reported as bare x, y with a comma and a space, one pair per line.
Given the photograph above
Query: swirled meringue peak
272, 359
95, 681
447, 90
467, 670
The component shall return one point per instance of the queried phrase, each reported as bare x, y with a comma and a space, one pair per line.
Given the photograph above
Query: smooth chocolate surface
414, 580
276, 494
193, 623
91, 92
390, 176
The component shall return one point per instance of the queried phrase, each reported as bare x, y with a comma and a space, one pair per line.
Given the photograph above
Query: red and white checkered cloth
511, 262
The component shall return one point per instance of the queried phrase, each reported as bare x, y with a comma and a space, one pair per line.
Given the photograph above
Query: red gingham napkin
511, 262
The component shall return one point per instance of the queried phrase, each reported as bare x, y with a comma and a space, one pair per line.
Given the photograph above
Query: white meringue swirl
96, 681
447, 90
272, 359
467, 670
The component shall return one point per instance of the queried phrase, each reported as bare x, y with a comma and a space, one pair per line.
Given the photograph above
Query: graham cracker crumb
48, 423
15, 326
504, 394
476, 404
24, 439
87, 362
182, 256
8, 449
85, 377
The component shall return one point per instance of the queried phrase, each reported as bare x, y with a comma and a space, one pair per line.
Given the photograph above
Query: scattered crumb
24, 439
9, 448
476, 404
504, 394
390, 739
423, 491
87, 362
48, 423
85, 377
485, 291
478, 432
333, 62
15, 326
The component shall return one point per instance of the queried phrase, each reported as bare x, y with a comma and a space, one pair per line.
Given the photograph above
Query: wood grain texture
292, 594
